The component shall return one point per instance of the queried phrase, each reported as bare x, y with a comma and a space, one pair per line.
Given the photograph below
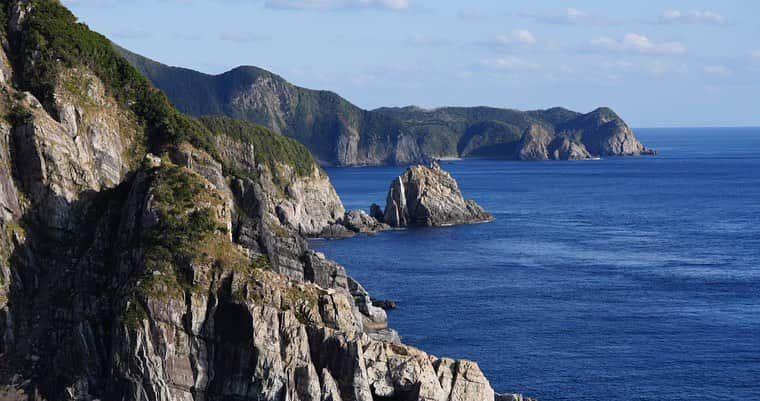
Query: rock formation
425, 197
145, 257
352, 223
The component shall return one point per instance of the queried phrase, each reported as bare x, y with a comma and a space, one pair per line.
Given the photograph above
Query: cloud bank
636, 43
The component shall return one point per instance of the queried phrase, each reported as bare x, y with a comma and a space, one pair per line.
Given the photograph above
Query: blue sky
657, 63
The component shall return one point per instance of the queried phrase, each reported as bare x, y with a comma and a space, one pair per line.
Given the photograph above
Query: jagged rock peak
429, 196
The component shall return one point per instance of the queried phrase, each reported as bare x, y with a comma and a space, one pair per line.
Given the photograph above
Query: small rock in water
385, 304
429, 197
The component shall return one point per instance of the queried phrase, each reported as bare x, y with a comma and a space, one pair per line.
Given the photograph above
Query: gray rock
360, 222
384, 304
534, 144
429, 197
337, 231
377, 212
565, 149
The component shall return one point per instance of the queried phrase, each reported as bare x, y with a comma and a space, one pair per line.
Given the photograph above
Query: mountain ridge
340, 133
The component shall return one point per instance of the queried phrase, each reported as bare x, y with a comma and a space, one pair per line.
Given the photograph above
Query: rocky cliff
425, 197
340, 133
145, 255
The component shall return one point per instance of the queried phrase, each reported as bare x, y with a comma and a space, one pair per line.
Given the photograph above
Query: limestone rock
425, 196
361, 222
565, 149
534, 144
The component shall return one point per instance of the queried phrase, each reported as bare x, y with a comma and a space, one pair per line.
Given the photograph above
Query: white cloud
693, 17
633, 42
519, 37
718, 70
395, 5
571, 16
510, 63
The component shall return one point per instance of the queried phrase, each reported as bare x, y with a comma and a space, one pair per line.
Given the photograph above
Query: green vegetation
18, 115
135, 314
262, 262
315, 118
269, 148
12, 228
52, 39
3, 18
187, 235
173, 244
319, 119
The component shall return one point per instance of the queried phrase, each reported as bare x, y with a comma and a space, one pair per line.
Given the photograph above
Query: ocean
633, 278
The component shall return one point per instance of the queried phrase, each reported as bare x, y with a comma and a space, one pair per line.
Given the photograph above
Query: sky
657, 63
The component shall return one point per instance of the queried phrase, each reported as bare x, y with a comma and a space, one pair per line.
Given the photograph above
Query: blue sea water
618, 279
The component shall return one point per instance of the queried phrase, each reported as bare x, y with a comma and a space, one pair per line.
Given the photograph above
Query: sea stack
428, 197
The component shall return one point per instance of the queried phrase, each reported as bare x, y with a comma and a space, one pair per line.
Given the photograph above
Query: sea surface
616, 279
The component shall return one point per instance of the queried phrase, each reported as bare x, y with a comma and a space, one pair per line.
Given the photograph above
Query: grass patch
18, 115
187, 237
269, 148
177, 240
135, 315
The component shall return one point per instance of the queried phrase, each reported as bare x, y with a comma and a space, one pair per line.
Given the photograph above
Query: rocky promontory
428, 197
148, 255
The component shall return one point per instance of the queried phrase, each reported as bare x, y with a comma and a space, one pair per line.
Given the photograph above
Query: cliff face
339, 133
125, 275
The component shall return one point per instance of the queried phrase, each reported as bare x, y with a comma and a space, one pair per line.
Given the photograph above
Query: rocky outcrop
539, 144
425, 196
535, 144
607, 135
311, 204
565, 149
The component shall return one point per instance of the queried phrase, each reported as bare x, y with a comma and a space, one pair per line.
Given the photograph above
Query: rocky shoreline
144, 256
420, 197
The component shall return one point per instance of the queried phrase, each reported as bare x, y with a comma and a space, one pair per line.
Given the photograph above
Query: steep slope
144, 256
339, 133
334, 130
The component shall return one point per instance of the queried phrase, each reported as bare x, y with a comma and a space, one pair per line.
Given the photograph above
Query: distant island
339, 133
